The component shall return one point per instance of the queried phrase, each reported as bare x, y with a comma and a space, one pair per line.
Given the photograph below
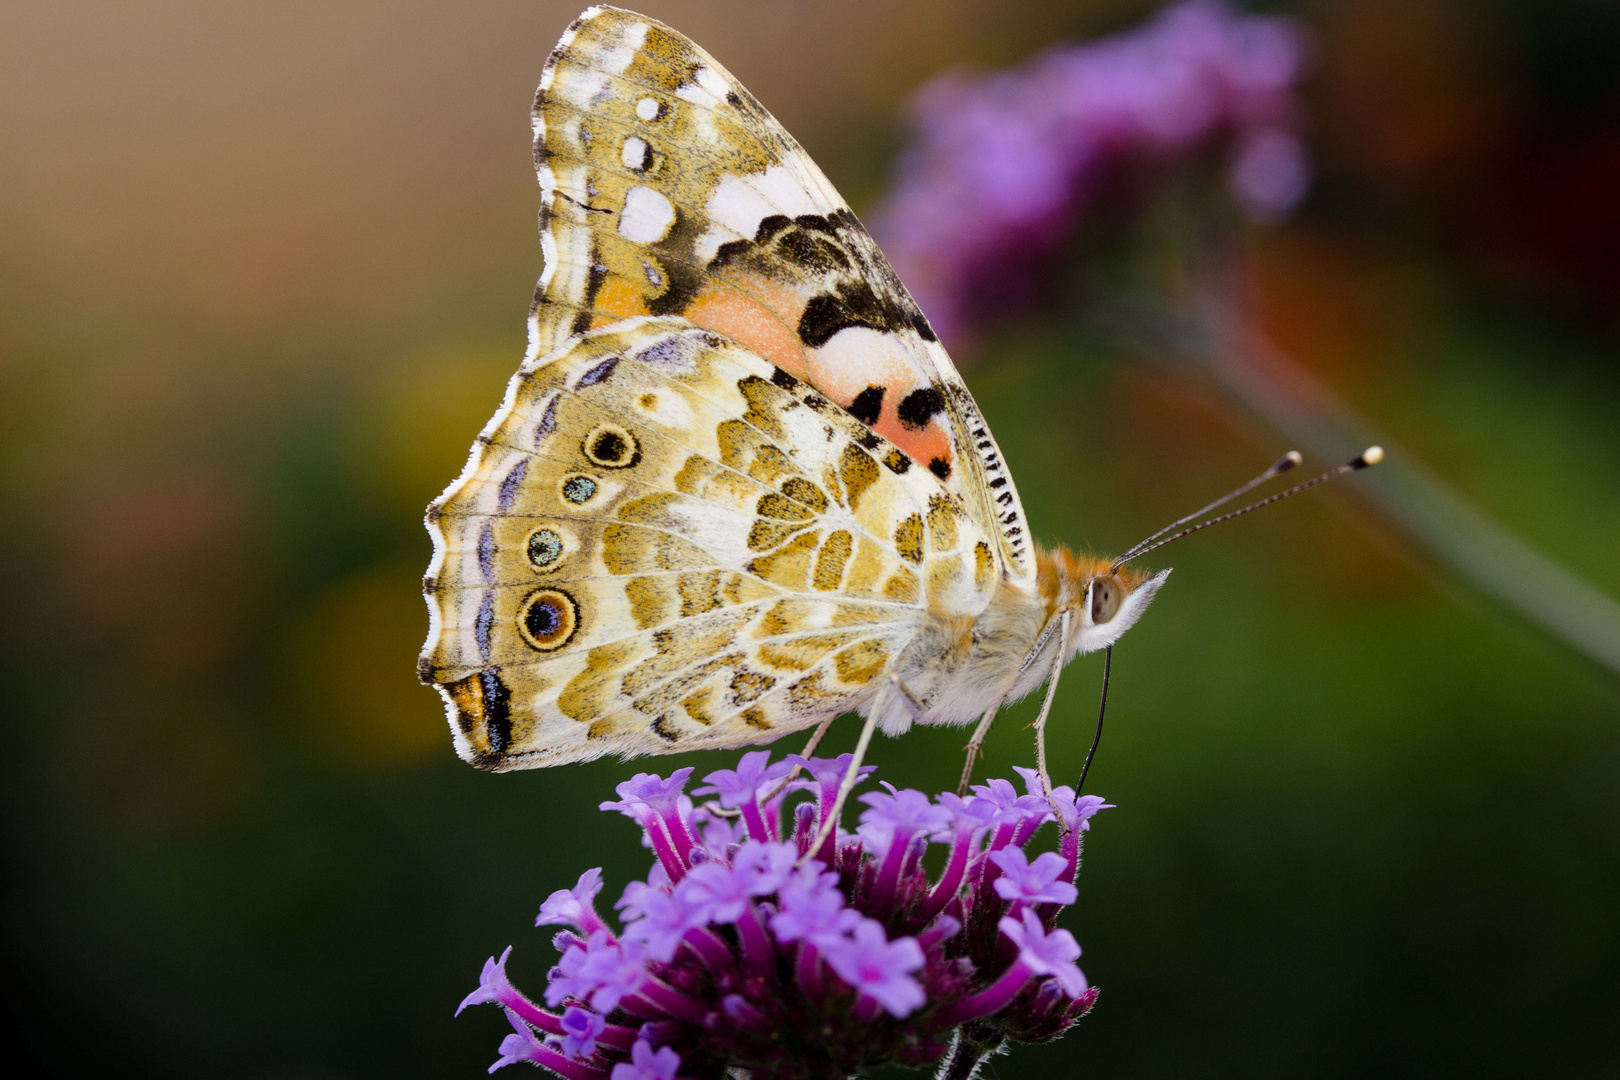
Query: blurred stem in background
1210, 338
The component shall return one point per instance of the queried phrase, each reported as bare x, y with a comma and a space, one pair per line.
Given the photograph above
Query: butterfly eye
1105, 598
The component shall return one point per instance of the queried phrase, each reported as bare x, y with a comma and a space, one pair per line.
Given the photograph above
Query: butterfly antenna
1368, 457
1284, 463
1108, 667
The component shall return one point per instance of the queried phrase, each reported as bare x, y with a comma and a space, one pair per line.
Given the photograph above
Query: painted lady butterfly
737, 488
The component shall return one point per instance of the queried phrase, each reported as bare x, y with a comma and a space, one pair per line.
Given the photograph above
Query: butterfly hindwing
663, 541
669, 190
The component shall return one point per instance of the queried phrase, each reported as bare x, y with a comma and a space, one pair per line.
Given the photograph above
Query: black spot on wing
685, 279
769, 226
919, 323
807, 243
810, 252
730, 252
497, 701
593, 285
868, 405
919, 407
782, 379
828, 313
940, 468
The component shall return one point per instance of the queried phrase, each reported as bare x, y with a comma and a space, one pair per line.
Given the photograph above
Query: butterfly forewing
671, 191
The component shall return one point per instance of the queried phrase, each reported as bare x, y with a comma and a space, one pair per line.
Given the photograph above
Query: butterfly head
1104, 600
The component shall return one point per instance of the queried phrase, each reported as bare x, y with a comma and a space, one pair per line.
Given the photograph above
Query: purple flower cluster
743, 948
1003, 166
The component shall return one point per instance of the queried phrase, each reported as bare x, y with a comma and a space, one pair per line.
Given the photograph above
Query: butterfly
737, 487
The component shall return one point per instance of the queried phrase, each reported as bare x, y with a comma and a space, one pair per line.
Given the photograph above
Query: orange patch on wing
619, 299
762, 319
922, 446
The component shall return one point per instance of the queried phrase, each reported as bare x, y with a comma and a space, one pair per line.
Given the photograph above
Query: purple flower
1035, 882
659, 807
648, 1064
1011, 807
649, 791
828, 773
601, 971
663, 919
811, 908
574, 907
492, 984
969, 815
581, 1029
900, 815
519, 1046
1017, 816
739, 786
718, 891
762, 868
738, 789
719, 833
1005, 166
1046, 953
763, 955
1077, 813
878, 968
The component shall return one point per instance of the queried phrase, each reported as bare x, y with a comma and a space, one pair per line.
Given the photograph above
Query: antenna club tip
1288, 461
1370, 456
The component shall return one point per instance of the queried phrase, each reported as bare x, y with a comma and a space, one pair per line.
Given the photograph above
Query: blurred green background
263, 273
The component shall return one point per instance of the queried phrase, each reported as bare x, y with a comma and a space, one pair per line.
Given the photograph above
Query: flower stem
968, 1053
715, 953
566, 1067
991, 999
951, 879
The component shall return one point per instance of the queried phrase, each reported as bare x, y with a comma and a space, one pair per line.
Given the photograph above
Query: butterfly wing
663, 541
669, 190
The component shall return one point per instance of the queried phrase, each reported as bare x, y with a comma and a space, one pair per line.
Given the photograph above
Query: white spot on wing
785, 191
615, 58
859, 356
708, 88
647, 108
646, 217
708, 245
585, 88
696, 95
635, 152
711, 80
740, 203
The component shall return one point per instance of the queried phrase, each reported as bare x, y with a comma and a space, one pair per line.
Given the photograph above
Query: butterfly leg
973, 748
1046, 709
892, 698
